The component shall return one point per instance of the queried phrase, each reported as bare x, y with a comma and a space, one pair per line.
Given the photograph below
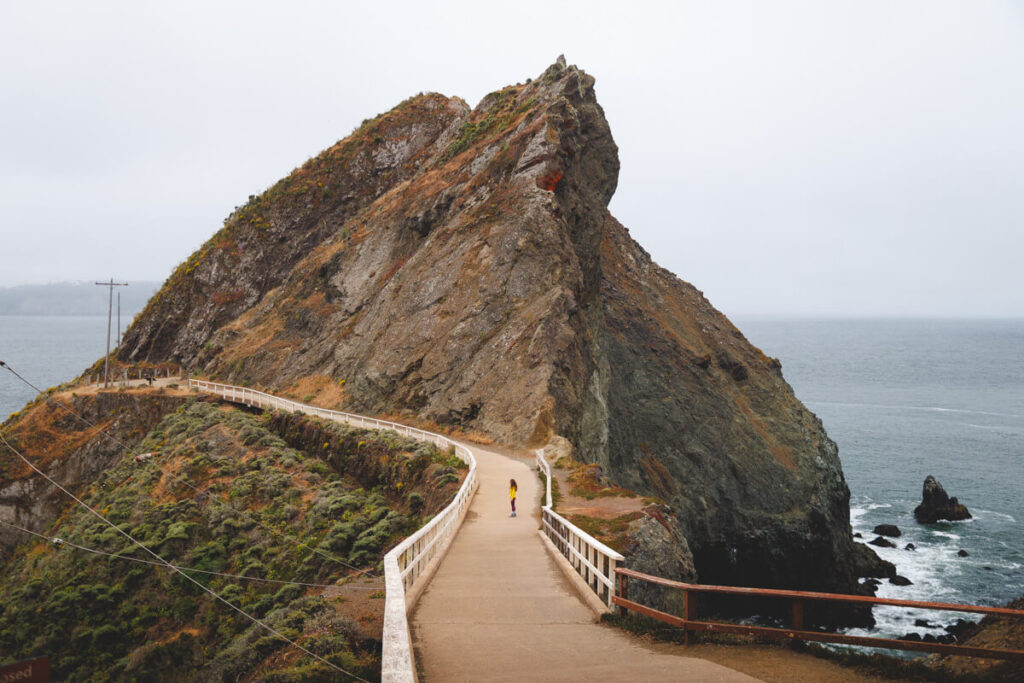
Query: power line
184, 481
164, 562
63, 542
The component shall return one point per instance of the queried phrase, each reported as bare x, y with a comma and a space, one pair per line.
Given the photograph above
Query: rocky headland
459, 265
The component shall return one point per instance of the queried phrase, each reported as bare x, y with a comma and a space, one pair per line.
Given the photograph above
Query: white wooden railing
409, 560
593, 561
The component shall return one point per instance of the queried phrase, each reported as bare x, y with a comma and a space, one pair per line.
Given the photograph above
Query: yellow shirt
512, 492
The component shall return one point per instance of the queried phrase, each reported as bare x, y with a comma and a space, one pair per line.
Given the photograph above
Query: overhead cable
131, 451
61, 542
164, 562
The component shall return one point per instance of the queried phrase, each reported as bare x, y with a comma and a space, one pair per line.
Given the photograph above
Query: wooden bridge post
689, 612
798, 615
623, 593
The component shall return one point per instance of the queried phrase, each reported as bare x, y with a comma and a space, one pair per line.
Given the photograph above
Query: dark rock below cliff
936, 504
890, 530
866, 563
658, 547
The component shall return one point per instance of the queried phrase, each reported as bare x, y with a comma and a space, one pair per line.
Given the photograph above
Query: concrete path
499, 609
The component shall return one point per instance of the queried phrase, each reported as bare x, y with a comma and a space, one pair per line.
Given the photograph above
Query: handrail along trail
595, 562
409, 560
599, 566
407, 567
689, 622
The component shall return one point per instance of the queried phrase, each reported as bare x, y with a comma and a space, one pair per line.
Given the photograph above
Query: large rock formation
461, 266
936, 504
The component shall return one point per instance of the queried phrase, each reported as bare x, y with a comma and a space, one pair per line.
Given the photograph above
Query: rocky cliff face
70, 450
461, 266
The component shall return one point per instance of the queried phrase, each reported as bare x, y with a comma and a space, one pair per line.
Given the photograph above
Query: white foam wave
994, 428
934, 409
984, 514
858, 511
935, 572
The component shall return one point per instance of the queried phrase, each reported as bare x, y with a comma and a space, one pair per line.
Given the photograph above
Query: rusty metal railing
689, 622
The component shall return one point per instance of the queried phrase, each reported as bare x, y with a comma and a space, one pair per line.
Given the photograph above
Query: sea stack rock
936, 504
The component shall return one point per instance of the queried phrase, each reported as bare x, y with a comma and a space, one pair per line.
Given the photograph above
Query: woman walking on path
512, 488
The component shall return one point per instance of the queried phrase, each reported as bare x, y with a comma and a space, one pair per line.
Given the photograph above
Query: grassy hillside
280, 497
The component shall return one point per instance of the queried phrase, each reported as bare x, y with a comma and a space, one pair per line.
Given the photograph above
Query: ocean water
907, 398
47, 351
902, 398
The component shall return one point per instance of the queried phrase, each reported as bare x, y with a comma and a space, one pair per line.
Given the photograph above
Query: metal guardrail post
623, 592
690, 610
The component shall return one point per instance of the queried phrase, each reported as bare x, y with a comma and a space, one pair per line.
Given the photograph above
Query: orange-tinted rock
460, 266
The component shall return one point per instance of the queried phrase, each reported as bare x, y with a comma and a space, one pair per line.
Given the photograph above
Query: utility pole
110, 310
118, 320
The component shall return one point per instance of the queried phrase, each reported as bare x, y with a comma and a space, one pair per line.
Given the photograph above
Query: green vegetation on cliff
280, 497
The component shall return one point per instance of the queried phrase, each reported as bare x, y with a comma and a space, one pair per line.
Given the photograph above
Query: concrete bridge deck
499, 608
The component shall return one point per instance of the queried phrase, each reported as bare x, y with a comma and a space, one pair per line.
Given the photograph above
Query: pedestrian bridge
478, 595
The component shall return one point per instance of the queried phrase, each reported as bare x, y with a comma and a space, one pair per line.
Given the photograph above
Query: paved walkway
499, 609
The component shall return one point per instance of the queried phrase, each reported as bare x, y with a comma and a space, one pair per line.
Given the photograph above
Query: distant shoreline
74, 298
125, 315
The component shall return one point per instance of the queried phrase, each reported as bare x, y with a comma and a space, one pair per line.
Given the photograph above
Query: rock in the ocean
936, 504
888, 530
960, 628
910, 546
868, 564
900, 581
962, 553
882, 542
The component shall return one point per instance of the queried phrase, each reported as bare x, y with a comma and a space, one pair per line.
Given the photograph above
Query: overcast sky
811, 158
